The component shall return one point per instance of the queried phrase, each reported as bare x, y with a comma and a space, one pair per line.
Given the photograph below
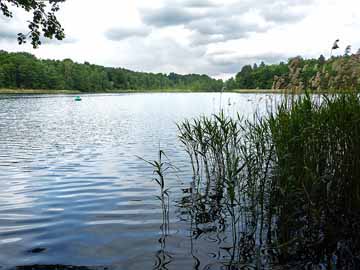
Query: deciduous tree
43, 22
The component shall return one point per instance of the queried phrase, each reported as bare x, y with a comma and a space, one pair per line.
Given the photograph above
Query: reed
287, 181
160, 169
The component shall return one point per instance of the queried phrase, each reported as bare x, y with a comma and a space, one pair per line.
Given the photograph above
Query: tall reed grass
160, 169
285, 183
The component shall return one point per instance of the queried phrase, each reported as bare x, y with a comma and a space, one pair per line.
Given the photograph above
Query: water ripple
73, 190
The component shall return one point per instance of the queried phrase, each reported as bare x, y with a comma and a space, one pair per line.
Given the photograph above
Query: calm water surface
74, 192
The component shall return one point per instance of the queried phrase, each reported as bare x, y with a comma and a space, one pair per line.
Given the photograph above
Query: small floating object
78, 98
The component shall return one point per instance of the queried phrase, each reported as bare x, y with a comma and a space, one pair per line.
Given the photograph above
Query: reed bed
285, 185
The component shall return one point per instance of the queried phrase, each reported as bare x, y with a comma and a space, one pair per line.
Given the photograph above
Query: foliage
340, 73
44, 20
23, 70
317, 173
287, 182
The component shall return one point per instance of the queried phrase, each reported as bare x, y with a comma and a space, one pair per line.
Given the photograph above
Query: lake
75, 192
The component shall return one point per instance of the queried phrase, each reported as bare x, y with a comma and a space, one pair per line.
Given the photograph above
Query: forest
337, 73
25, 71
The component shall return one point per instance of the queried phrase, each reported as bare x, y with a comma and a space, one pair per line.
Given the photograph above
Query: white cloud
215, 37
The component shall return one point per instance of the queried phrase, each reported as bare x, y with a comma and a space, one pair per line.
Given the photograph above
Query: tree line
340, 73
25, 71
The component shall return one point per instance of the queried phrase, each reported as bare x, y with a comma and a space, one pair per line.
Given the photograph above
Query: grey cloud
168, 16
182, 59
198, 39
281, 16
199, 4
207, 23
228, 63
9, 28
214, 23
164, 55
207, 27
221, 53
282, 13
225, 29
6, 35
117, 34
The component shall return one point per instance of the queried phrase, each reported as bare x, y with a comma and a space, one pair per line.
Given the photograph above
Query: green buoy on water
78, 98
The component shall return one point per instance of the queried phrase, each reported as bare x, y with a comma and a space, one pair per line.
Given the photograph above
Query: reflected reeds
282, 188
160, 169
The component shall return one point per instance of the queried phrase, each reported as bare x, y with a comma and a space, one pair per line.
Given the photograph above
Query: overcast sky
214, 37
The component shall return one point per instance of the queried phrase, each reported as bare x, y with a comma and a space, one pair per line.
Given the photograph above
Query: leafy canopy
43, 21
25, 71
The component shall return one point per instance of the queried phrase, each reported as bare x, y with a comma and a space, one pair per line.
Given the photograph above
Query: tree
44, 20
244, 78
2, 77
321, 60
23, 70
348, 50
341, 73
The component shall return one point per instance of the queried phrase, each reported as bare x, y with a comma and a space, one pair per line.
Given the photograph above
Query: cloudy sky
214, 37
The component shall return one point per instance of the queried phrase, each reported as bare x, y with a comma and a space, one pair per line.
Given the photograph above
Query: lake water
74, 192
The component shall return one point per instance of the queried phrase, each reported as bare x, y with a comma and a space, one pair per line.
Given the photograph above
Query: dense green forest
25, 71
340, 73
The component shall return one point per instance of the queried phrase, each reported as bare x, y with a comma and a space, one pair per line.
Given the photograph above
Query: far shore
36, 92
76, 92
260, 91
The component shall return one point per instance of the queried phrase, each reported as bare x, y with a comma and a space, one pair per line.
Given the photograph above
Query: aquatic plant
287, 182
160, 168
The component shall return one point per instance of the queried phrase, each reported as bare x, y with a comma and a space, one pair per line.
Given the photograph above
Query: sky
213, 37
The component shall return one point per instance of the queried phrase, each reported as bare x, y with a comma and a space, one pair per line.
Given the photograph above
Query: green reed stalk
289, 180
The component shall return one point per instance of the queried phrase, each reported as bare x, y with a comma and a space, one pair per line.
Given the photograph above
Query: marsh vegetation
274, 190
283, 186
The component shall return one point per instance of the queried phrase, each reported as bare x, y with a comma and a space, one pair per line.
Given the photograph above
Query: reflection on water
74, 192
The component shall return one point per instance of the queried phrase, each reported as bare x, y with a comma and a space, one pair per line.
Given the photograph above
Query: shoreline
76, 92
36, 92
73, 92
260, 91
